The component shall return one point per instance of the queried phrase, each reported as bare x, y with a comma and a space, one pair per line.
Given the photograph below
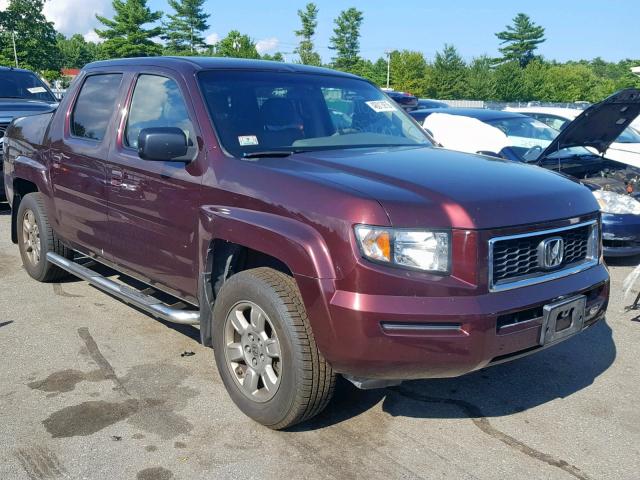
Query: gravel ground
92, 389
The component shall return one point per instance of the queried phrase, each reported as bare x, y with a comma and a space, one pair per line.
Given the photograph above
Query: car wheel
36, 239
265, 350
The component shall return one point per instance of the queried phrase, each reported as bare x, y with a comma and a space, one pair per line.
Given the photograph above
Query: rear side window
157, 102
95, 105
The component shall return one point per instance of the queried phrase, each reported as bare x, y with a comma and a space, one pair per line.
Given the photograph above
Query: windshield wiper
272, 153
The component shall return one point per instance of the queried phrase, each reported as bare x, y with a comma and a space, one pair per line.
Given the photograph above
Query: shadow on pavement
631, 261
498, 391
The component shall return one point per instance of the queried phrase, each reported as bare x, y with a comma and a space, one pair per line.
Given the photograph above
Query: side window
95, 105
157, 102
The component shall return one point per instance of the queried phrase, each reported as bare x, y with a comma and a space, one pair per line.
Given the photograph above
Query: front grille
516, 258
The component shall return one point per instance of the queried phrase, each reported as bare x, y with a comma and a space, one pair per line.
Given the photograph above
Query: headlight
420, 249
611, 202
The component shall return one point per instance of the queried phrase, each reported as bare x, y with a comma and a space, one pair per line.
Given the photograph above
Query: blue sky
575, 29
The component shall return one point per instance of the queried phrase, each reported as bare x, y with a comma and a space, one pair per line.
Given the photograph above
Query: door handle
116, 178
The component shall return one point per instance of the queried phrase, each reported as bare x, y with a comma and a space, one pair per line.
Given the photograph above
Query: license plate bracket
562, 319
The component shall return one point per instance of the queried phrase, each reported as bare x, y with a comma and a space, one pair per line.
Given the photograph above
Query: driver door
153, 205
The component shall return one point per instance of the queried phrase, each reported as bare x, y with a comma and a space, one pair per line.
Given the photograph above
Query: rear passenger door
79, 150
153, 205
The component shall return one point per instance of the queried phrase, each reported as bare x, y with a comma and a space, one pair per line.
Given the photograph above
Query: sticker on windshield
381, 106
247, 140
37, 90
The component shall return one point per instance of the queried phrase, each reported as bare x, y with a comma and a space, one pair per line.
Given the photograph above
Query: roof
6, 69
212, 63
70, 71
479, 113
567, 113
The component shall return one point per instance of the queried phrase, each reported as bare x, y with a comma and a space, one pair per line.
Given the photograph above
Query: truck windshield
262, 111
25, 85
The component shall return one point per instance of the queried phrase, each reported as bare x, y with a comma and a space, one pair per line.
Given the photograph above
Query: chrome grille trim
591, 258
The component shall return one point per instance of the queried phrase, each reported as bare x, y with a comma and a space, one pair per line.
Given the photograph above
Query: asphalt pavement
93, 389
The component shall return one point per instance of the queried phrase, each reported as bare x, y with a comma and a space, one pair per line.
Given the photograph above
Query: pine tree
308, 18
35, 37
449, 74
520, 40
184, 30
346, 39
124, 35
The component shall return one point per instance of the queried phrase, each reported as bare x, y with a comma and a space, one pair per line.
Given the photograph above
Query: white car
625, 149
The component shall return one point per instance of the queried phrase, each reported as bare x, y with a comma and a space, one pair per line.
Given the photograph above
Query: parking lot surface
93, 389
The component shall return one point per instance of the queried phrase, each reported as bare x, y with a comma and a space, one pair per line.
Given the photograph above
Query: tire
37, 238
303, 383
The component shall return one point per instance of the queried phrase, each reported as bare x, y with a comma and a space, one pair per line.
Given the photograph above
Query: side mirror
162, 143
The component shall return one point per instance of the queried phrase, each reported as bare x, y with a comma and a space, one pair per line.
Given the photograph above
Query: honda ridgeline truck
304, 222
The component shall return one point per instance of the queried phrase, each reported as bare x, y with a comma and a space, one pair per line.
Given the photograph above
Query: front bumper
443, 336
620, 235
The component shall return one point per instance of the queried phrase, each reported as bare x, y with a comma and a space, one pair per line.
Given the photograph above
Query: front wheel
36, 238
265, 350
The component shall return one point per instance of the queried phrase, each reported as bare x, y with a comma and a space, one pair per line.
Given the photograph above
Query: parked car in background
514, 136
22, 93
407, 101
625, 149
429, 103
302, 248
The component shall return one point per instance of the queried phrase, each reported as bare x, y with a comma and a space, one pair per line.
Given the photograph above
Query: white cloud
267, 45
92, 36
73, 16
3, 5
212, 38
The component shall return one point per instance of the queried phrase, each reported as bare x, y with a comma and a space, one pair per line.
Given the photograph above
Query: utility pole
15, 52
388, 52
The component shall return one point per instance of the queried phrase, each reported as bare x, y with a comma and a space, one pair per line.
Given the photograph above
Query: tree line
519, 74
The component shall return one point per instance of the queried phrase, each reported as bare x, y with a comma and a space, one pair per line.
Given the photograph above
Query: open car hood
600, 124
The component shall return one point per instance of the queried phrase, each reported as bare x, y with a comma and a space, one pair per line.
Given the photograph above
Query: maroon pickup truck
304, 222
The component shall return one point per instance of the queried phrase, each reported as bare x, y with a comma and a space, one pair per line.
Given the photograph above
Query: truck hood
15, 107
599, 125
434, 187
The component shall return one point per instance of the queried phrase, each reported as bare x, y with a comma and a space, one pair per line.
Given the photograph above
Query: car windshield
262, 111
25, 85
528, 138
629, 135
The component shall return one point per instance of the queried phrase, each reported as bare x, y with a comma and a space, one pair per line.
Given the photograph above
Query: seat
282, 125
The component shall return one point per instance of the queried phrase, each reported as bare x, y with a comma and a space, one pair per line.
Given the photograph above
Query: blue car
576, 152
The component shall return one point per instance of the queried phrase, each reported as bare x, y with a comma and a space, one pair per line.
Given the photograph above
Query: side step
127, 294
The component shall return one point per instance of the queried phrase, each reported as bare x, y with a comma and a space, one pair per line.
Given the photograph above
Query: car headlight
611, 202
418, 249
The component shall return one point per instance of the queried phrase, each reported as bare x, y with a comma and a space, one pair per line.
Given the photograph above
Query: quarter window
157, 102
95, 106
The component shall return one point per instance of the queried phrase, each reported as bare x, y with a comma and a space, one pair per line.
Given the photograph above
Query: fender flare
297, 245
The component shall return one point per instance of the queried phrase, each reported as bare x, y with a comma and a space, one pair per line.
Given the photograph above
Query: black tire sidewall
244, 287
39, 270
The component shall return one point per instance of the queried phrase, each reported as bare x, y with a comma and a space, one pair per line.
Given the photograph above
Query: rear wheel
36, 239
265, 350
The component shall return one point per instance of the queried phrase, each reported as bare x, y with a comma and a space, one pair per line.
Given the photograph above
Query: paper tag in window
247, 140
37, 90
381, 106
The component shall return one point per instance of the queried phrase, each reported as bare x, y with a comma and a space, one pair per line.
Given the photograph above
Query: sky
575, 29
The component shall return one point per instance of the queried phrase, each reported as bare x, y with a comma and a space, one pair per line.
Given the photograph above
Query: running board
129, 295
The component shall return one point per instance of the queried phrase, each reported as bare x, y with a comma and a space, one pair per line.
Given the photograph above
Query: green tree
35, 37
76, 52
448, 75
276, 57
346, 39
235, 44
480, 79
408, 72
308, 18
124, 35
184, 30
509, 82
520, 40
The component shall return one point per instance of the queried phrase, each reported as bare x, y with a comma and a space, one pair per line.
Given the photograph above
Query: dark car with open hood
304, 222
577, 151
22, 93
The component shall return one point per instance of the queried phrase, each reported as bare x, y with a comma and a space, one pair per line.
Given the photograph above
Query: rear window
95, 106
